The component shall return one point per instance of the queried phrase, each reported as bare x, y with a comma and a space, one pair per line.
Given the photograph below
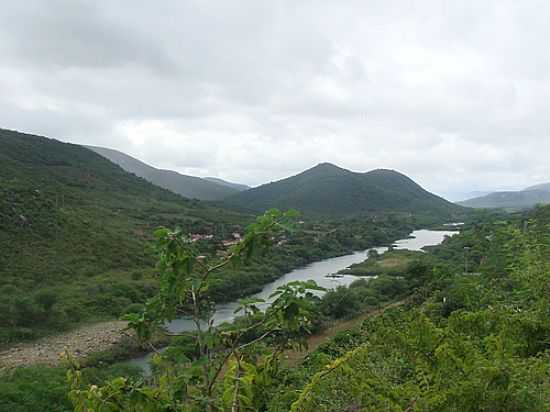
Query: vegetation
74, 234
195, 361
76, 244
53, 395
42, 388
226, 369
470, 336
468, 330
468, 341
393, 262
327, 190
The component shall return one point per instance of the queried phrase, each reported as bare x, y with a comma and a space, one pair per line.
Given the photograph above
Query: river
316, 271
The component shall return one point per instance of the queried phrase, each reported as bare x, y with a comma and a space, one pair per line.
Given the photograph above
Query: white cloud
454, 94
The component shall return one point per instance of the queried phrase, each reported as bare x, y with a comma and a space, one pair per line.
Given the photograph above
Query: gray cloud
455, 94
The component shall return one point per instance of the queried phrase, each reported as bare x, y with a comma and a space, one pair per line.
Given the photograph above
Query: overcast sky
455, 94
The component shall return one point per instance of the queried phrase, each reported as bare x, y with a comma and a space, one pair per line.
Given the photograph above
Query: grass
392, 263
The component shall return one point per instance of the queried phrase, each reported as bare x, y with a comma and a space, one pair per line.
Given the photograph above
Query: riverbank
81, 343
109, 341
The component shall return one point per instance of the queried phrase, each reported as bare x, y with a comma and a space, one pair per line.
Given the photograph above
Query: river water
316, 271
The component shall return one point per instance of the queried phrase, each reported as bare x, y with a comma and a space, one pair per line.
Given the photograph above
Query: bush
341, 302
46, 299
34, 389
134, 308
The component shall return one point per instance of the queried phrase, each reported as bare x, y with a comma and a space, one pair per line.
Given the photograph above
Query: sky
455, 94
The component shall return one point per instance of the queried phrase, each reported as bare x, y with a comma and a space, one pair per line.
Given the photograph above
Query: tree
46, 299
228, 367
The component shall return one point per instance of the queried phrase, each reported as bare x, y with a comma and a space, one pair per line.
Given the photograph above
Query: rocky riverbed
79, 343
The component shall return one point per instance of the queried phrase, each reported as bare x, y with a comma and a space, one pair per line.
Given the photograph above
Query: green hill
330, 190
74, 230
188, 186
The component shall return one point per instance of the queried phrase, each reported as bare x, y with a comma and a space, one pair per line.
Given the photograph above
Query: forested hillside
75, 233
330, 190
74, 230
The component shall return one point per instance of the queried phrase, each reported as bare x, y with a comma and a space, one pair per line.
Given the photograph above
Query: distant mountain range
237, 186
545, 187
456, 197
327, 189
513, 200
191, 187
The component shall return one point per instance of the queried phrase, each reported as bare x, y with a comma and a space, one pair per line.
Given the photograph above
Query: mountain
236, 186
188, 186
513, 200
462, 196
75, 230
329, 190
545, 187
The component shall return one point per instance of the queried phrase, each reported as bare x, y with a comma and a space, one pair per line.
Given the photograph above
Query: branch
258, 339
219, 370
235, 407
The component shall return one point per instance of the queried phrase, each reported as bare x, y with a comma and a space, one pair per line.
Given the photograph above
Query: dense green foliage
187, 375
467, 341
226, 368
74, 230
473, 335
468, 328
190, 187
43, 388
310, 242
75, 235
329, 190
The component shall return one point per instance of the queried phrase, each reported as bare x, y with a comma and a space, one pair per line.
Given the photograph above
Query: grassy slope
389, 263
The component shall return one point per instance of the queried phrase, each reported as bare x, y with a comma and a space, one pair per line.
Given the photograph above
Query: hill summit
327, 189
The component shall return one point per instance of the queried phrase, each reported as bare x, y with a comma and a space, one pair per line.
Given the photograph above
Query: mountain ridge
513, 200
545, 187
239, 186
327, 189
191, 187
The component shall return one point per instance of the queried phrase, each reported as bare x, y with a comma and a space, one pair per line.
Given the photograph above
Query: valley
101, 263
282, 206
